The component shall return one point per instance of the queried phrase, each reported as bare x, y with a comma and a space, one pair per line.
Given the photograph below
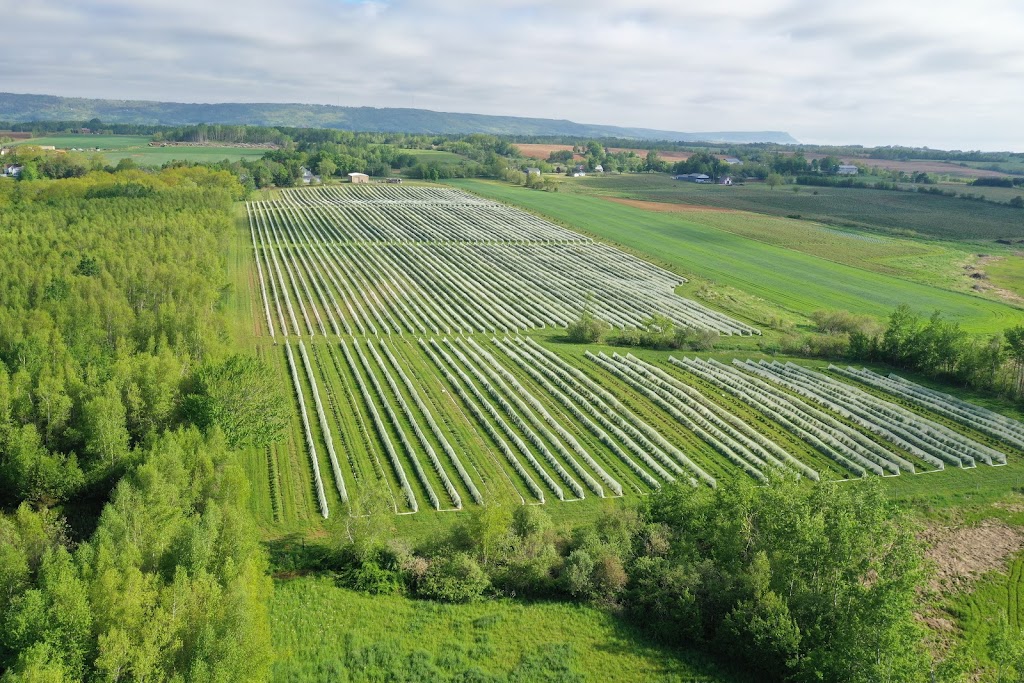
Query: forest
125, 547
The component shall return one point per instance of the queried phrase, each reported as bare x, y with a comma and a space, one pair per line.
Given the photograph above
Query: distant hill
24, 108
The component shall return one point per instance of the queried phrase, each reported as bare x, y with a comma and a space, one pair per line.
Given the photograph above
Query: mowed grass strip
795, 282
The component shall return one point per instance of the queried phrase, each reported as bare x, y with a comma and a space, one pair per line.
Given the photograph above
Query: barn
358, 178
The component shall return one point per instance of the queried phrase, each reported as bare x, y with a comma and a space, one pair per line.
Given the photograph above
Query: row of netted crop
998, 426
382, 193
926, 439
383, 289
841, 443
416, 220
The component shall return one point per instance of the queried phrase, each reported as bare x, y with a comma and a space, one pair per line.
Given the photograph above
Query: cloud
873, 72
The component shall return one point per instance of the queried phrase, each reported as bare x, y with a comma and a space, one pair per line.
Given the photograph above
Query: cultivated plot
395, 313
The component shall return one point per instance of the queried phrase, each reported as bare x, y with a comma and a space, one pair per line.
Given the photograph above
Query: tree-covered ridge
108, 298
18, 107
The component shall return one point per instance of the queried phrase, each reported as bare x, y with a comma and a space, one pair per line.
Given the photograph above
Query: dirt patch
961, 555
665, 207
976, 271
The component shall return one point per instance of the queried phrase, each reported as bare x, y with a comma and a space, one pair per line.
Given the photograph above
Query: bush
588, 329
454, 578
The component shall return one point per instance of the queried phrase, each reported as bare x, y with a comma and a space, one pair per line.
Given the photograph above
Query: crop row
330, 284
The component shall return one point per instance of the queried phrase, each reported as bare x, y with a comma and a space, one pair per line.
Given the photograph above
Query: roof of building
358, 175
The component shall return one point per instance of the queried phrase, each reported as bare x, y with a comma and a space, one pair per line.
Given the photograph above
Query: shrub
454, 578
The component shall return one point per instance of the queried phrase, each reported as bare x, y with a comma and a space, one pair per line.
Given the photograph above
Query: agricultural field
414, 325
909, 214
136, 147
777, 281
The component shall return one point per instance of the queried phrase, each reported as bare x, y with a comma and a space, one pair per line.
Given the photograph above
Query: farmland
896, 213
784, 282
412, 328
137, 148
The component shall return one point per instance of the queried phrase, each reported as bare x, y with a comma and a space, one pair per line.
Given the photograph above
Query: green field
136, 147
998, 598
900, 213
426, 156
323, 632
788, 280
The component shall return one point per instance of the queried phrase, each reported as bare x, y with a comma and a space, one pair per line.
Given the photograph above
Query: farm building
532, 170
358, 178
308, 177
393, 181
725, 181
732, 161
846, 169
694, 177
599, 169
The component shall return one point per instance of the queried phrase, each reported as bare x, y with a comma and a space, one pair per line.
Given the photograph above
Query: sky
933, 73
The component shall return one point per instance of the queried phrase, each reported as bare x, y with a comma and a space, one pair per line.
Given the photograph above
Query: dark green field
136, 147
901, 213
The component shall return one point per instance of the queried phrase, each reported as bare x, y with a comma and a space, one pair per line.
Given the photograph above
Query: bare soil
962, 554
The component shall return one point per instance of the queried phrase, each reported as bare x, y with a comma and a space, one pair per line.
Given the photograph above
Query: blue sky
935, 73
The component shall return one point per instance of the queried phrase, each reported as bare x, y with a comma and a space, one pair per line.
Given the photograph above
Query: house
732, 161
599, 169
725, 181
358, 178
847, 169
532, 170
308, 177
11, 170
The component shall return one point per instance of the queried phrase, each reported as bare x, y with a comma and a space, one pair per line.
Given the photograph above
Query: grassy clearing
790, 281
999, 595
323, 632
136, 147
901, 213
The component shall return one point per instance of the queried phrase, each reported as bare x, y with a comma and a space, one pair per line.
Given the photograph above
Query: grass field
136, 147
426, 156
323, 632
789, 281
900, 213
998, 596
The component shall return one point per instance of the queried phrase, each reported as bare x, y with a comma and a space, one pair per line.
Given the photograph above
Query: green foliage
242, 397
660, 332
801, 583
454, 577
171, 582
587, 329
110, 288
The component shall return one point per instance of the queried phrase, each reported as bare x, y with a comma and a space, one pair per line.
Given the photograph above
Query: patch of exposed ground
975, 270
962, 554
665, 207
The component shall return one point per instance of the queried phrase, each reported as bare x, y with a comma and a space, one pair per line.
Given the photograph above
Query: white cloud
942, 74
